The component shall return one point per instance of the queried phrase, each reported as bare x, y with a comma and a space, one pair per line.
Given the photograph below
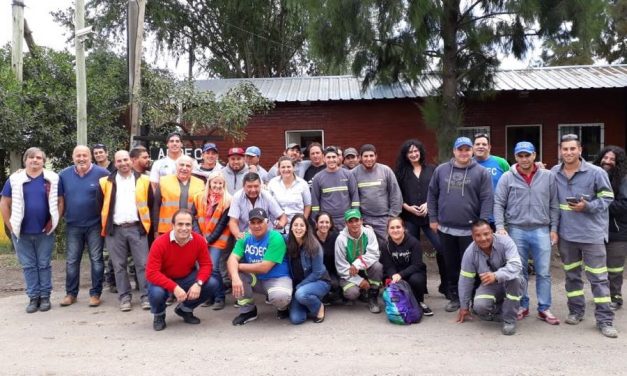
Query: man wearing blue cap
252, 155
209, 163
526, 202
460, 192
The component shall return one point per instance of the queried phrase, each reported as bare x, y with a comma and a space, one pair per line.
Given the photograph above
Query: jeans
216, 273
34, 252
76, 238
307, 300
537, 242
157, 295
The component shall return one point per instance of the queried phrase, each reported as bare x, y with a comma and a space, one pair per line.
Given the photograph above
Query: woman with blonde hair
211, 218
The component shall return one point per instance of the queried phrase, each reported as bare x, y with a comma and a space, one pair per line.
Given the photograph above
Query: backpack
401, 306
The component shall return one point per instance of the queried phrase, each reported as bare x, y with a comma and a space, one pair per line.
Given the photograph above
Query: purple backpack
401, 306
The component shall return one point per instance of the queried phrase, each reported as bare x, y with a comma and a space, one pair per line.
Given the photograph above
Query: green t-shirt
271, 247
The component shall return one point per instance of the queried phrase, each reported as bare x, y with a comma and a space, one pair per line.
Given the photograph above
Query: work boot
159, 322
33, 305
44, 303
68, 300
188, 317
608, 330
452, 305
94, 301
373, 301
573, 319
509, 328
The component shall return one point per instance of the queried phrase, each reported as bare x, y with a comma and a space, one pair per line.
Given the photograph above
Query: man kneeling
171, 268
258, 263
495, 259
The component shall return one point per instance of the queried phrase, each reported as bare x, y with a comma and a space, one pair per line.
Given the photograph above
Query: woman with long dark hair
326, 235
309, 276
413, 175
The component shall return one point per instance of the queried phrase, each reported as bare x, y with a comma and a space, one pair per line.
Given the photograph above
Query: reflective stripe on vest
142, 185
207, 227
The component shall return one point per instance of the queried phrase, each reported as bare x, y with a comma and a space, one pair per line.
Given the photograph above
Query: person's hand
487, 278
241, 235
463, 314
422, 210
237, 288
434, 226
180, 294
501, 232
580, 206
554, 237
47, 228
396, 277
364, 285
194, 292
413, 209
352, 271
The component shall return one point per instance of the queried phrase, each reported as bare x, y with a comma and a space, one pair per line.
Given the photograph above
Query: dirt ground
79, 340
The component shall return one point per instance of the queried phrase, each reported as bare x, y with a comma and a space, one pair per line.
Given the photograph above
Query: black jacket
618, 214
404, 259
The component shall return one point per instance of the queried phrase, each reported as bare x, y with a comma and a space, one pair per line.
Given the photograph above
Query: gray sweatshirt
520, 204
591, 225
379, 194
334, 192
504, 262
234, 180
361, 252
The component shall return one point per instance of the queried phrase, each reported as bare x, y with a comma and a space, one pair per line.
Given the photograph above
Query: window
304, 137
470, 132
592, 138
517, 133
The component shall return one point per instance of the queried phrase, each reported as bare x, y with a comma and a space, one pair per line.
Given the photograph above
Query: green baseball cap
352, 213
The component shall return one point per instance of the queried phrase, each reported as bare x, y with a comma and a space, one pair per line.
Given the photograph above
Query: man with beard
351, 159
612, 159
235, 170
140, 160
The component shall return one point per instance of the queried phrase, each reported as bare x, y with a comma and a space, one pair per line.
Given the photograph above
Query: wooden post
17, 64
81, 78
135, 44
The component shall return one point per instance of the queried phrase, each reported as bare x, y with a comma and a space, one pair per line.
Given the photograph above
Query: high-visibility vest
170, 197
207, 227
142, 185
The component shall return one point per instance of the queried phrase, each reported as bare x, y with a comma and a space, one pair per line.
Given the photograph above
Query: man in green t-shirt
258, 264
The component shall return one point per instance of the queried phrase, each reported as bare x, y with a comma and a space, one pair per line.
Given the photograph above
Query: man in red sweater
171, 269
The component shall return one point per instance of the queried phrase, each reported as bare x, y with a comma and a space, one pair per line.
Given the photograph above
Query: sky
47, 33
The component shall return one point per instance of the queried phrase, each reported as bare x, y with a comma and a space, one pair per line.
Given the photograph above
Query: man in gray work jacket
585, 193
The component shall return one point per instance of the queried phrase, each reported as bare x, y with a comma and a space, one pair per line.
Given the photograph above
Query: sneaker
548, 317
425, 309
33, 305
573, 319
615, 306
171, 299
188, 317
452, 305
125, 306
522, 313
68, 300
509, 328
94, 301
244, 318
236, 305
145, 304
44, 304
267, 301
158, 323
218, 305
282, 315
608, 330
206, 304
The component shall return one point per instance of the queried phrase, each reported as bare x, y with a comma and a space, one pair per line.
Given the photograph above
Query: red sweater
168, 261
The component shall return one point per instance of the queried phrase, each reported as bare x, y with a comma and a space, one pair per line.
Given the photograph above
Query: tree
459, 42
225, 38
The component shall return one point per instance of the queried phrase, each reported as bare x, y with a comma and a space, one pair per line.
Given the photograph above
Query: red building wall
387, 123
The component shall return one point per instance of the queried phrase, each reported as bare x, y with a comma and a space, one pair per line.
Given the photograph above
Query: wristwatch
199, 283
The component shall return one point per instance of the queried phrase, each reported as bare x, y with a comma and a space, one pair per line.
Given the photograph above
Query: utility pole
17, 63
135, 38
81, 77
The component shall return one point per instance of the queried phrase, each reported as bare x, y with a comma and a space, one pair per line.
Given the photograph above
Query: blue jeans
538, 242
76, 238
307, 300
157, 295
216, 273
34, 252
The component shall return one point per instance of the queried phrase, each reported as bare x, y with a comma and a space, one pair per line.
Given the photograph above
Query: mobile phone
572, 200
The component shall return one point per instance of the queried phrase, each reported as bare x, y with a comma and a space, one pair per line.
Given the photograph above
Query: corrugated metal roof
341, 88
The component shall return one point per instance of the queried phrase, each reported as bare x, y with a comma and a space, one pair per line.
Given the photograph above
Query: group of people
330, 229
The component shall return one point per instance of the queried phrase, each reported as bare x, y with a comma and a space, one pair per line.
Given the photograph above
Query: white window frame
474, 130
538, 147
288, 139
581, 125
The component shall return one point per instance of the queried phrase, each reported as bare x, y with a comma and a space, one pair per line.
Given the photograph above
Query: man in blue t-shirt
260, 257
497, 166
30, 208
79, 187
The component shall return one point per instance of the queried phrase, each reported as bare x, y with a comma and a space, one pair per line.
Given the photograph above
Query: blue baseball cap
253, 151
209, 146
462, 141
524, 147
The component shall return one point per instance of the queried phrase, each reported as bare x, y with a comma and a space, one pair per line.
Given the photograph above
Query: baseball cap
292, 145
350, 151
352, 213
236, 151
462, 141
253, 151
209, 146
524, 147
257, 213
